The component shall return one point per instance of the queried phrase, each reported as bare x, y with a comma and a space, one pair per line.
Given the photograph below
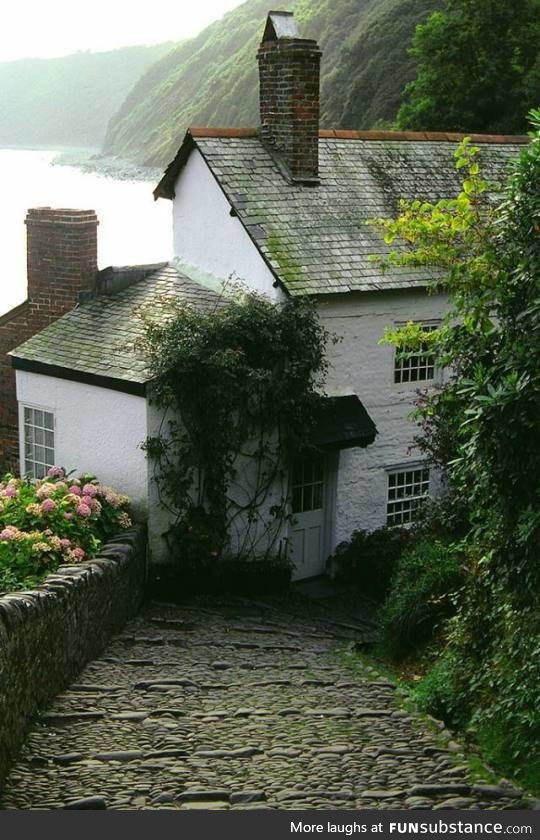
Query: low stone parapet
49, 633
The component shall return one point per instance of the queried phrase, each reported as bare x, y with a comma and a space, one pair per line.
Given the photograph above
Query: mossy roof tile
99, 337
306, 233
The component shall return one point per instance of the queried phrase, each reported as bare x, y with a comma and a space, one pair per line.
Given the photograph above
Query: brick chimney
62, 265
61, 248
289, 72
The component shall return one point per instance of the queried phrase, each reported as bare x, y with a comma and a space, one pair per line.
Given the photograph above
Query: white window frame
399, 365
29, 462
311, 489
410, 502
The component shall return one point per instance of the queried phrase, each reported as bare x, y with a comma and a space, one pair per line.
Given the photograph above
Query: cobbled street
238, 704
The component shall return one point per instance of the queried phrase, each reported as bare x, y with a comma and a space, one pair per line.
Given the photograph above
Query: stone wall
49, 633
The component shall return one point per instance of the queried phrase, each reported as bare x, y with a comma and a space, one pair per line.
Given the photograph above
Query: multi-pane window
308, 484
407, 491
419, 367
38, 441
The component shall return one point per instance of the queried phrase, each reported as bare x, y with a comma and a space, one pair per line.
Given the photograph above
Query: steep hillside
68, 101
212, 79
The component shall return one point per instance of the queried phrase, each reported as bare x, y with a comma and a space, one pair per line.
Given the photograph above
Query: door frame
331, 467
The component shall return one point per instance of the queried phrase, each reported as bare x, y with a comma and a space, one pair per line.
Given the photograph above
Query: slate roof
96, 338
315, 239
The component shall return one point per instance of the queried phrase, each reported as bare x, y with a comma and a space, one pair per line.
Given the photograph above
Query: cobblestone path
237, 705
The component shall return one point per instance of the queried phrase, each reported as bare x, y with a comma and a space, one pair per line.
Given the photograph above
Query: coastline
94, 161
109, 166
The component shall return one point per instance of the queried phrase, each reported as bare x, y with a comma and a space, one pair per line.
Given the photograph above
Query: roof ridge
353, 134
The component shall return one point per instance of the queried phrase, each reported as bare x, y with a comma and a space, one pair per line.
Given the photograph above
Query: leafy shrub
436, 693
57, 520
367, 561
427, 576
239, 384
483, 428
496, 695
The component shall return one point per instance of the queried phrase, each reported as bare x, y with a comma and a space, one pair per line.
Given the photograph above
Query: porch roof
344, 423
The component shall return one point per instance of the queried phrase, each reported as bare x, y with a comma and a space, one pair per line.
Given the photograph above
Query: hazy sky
44, 28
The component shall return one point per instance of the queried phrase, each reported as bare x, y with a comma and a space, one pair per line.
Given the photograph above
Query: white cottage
284, 208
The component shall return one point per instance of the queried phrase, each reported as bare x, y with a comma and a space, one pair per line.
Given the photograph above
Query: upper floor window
38, 441
407, 491
419, 367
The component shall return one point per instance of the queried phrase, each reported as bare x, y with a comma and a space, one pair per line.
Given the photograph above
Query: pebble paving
239, 704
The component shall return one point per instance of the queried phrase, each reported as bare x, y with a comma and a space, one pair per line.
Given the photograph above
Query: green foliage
56, 520
478, 68
212, 79
436, 693
483, 428
368, 560
422, 595
495, 692
68, 101
240, 384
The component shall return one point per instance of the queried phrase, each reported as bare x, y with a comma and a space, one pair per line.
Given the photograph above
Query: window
418, 368
38, 441
308, 484
407, 491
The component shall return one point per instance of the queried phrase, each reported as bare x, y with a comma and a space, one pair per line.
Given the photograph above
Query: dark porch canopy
344, 423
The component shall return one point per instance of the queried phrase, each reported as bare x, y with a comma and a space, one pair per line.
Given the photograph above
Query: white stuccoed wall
360, 365
97, 430
207, 237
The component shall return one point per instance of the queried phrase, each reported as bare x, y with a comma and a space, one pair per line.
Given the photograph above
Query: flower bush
57, 520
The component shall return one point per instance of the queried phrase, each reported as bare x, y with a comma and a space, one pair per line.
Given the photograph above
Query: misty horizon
36, 31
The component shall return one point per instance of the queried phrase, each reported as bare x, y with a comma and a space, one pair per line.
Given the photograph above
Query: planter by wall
49, 633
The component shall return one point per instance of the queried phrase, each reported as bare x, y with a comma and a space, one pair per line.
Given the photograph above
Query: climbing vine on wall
237, 386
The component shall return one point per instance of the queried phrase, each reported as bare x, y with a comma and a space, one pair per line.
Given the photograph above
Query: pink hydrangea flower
48, 505
9, 492
8, 533
90, 490
78, 553
75, 490
96, 506
84, 510
65, 543
86, 500
56, 472
113, 499
68, 516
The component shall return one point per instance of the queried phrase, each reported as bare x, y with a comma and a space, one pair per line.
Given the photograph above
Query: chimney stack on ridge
289, 77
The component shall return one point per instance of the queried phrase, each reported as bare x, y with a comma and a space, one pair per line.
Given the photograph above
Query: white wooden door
308, 528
